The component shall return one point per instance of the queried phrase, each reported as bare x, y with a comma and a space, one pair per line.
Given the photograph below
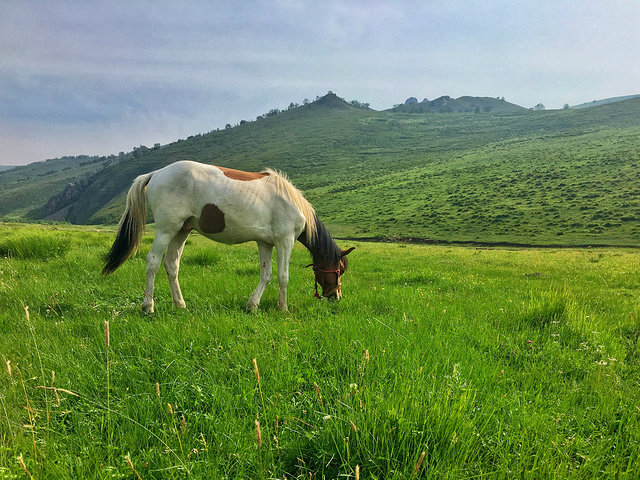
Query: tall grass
34, 247
440, 362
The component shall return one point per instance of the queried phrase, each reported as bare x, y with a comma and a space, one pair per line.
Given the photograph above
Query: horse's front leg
284, 255
265, 253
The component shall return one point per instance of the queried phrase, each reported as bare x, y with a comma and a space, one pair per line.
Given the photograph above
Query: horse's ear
344, 253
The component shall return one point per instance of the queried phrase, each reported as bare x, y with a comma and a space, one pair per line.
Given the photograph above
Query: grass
33, 247
440, 362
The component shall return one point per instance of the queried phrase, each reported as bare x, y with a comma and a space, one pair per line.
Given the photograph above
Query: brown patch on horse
211, 219
242, 176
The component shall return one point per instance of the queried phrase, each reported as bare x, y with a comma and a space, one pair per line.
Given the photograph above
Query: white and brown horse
228, 206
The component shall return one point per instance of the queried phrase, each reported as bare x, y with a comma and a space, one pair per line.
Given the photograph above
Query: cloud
152, 70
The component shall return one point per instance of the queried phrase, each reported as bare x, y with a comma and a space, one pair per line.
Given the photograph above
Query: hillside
29, 187
566, 177
597, 103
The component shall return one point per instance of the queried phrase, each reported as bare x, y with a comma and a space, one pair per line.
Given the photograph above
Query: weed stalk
107, 342
24, 467
418, 465
175, 429
32, 329
32, 422
130, 463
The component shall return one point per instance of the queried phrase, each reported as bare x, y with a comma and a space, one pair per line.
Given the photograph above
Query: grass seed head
315, 385
258, 433
24, 467
255, 370
418, 464
130, 463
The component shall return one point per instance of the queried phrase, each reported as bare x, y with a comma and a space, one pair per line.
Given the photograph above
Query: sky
97, 77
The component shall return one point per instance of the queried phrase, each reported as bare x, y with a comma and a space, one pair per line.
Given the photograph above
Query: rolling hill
597, 103
560, 177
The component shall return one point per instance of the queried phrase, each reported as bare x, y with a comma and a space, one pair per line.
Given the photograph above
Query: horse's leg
154, 258
283, 249
264, 252
172, 265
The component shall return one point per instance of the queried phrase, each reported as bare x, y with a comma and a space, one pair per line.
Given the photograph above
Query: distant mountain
597, 103
446, 104
559, 177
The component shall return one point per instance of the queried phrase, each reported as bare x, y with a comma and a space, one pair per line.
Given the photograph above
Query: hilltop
446, 104
565, 177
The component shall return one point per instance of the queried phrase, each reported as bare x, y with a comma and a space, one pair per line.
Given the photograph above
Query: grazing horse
228, 206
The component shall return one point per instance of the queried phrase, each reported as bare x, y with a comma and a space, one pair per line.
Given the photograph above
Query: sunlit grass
37, 247
495, 363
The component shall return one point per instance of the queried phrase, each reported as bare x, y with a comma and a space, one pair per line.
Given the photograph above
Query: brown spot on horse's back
242, 176
211, 219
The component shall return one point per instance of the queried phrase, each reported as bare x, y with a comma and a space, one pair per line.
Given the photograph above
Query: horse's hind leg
172, 265
154, 258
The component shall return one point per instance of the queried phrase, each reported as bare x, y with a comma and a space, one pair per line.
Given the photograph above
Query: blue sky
100, 77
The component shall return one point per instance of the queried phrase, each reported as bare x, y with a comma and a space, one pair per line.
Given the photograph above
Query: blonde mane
285, 189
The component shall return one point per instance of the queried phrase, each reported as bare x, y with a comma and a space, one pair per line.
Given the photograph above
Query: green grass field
440, 362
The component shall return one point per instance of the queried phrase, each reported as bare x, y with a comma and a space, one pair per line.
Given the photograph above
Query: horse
228, 206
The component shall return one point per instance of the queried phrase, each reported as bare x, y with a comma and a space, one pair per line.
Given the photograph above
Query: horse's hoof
147, 308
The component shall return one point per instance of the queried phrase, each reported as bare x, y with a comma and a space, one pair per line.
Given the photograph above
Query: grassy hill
565, 177
29, 187
605, 101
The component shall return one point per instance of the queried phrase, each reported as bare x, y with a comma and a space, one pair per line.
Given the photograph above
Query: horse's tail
130, 227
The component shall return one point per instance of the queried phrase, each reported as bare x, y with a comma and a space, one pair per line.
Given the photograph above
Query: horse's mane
323, 246
285, 189
316, 237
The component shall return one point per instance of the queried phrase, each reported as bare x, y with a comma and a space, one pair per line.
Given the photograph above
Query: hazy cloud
98, 77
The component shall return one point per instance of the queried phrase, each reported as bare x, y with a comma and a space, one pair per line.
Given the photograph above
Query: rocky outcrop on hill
59, 206
447, 104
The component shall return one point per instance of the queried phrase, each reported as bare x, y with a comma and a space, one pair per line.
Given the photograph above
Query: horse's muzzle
337, 296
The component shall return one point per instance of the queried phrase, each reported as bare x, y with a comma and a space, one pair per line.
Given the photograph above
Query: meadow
448, 362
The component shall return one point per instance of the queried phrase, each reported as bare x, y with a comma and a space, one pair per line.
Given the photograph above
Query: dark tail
131, 226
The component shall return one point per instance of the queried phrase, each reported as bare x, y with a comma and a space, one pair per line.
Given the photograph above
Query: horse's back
221, 204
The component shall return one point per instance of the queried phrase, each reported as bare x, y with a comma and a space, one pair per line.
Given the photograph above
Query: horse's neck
311, 246
322, 246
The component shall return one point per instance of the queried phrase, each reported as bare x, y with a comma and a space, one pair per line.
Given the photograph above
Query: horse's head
328, 276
